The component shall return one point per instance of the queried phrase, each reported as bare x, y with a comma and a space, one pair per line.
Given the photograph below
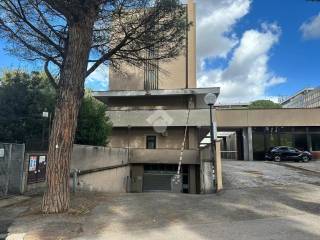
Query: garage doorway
157, 177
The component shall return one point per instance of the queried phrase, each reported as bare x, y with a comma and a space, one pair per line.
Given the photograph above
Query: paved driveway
312, 166
262, 201
245, 174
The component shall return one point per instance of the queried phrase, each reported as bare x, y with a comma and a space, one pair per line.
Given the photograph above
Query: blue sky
252, 49
256, 49
293, 57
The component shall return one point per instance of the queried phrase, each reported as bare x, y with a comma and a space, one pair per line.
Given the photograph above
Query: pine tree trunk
71, 90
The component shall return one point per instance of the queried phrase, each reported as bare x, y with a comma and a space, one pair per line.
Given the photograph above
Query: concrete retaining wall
92, 157
113, 180
105, 169
101, 169
206, 169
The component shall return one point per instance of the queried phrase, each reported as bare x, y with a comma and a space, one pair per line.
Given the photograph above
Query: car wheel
305, 158
277, 158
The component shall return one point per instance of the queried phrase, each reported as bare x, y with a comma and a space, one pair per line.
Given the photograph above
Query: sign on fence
1, 152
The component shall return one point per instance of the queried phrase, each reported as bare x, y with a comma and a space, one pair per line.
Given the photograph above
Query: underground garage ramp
158, 177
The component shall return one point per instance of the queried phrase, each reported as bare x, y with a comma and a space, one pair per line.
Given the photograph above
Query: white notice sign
2, 152
42, 159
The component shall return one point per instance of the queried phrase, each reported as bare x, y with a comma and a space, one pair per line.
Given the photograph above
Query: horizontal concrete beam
224, 118
164, 156
164, 92
150, 118
268, 117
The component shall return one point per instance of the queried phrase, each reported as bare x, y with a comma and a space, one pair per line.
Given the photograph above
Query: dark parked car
287, 153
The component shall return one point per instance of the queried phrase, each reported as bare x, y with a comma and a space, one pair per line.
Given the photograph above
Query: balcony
164, 156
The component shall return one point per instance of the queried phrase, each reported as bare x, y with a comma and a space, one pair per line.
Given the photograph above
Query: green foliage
23, 99
264, 104
93, 125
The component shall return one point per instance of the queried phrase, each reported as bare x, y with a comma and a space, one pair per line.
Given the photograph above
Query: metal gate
157, 177
11, 168
5, 150
157, 181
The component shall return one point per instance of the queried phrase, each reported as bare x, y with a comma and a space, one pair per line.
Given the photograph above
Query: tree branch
49, 75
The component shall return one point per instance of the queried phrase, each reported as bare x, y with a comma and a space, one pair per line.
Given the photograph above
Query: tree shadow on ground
231, 214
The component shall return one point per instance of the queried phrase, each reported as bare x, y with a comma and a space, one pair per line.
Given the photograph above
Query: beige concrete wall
139, 118
268, 117
218, 167
192, 55
92, 157
137, 171
206, 169
192, 179
173, 74
127, 78
148, 103
136, 138
163, 156
112, 181
193, 138
86, 158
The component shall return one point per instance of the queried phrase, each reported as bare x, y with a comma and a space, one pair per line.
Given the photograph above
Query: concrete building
154, 138
306, 98
257, 130
149, 112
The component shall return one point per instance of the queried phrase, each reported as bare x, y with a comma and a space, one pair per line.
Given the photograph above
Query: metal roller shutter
157, 181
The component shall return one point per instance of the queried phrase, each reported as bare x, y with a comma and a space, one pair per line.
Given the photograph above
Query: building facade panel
137, 138
181, 70
306, 98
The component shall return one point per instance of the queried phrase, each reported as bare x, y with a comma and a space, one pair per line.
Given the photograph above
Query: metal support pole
49, 127
212, 147
212, 136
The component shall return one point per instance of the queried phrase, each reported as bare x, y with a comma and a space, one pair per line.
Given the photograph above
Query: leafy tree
69, 35
93, 125
264, 104
23, 99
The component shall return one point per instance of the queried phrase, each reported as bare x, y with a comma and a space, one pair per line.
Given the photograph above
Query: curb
7, 202
298, 168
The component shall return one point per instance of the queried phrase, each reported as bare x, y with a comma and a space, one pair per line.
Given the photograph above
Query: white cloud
247, 75
215, 19
99, 79
311, 28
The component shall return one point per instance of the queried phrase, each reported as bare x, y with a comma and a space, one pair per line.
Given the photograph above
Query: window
301, 141
152, 75
151, 142
315, 138
258, 145
151, 70
286, 139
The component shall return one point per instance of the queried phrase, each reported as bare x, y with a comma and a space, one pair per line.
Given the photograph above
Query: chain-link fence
11, 168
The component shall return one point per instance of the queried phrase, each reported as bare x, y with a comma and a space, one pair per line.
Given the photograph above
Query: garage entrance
157, 177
